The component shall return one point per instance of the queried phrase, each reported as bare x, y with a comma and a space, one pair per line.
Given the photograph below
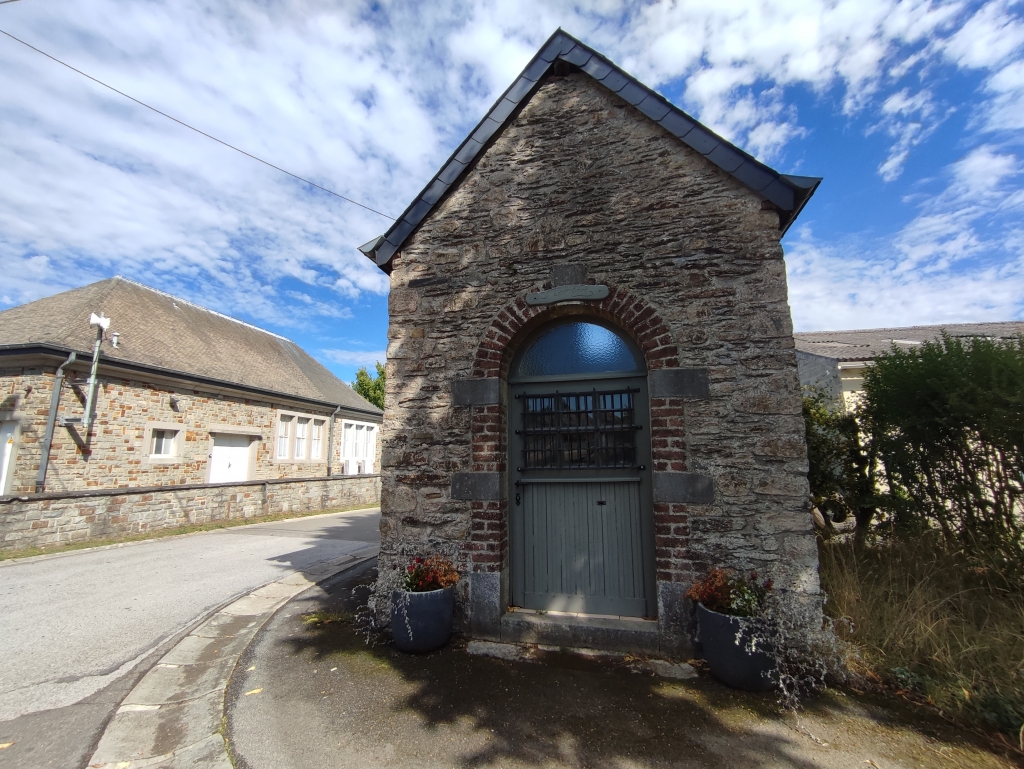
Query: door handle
601, 502
519, 498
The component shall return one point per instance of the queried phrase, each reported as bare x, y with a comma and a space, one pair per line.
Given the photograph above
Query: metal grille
579, 430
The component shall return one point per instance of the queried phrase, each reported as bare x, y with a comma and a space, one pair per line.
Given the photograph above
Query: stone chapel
592, 391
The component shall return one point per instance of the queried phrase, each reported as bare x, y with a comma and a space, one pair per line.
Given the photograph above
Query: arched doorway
581, 518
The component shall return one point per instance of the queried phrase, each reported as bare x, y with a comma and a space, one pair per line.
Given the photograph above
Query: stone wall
117, 455
42, 520
583, 185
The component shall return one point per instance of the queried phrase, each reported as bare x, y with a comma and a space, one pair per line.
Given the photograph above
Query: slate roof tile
865, 344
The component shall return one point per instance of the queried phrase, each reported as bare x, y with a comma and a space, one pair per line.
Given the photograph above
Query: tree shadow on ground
576, 712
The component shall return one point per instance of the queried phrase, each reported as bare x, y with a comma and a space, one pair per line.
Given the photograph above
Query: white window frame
288, 455
283, 436
300, 446
317, 427
358, 450
7, 479
177, 443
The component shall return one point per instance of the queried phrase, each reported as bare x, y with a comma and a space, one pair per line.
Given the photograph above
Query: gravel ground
306, 696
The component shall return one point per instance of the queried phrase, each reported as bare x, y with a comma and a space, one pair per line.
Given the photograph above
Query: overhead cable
193, 128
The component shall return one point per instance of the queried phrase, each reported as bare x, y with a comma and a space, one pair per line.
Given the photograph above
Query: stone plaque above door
572, 293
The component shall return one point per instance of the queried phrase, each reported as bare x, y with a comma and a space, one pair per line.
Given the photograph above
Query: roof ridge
787, 193
199, 307
907, 328
72, 321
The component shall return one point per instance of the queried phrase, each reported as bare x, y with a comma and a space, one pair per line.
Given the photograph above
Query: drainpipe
101, 324
330, 442
51, 419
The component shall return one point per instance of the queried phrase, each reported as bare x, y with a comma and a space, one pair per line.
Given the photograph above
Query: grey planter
725, 640
422, 622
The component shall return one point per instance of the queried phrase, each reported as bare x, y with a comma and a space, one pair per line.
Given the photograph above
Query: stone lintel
476, 392
476, 486
691, 488
679, 383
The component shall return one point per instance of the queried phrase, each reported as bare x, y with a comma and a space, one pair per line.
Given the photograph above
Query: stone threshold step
581, 631
541, 653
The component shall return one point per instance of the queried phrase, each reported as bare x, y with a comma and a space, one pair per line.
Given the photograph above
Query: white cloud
355, 357
987, 38
909, 119
369, 98
318, 308
838, 287
1005, 110
960, 259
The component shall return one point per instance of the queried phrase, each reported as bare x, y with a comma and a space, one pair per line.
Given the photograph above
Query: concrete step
581, 631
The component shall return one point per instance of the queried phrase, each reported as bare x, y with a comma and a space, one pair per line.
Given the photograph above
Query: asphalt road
78, 629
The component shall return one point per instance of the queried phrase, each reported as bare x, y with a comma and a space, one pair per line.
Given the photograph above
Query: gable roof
865, 344
788, 193
166, 334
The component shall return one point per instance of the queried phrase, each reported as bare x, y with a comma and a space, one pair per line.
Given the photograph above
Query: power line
191, 128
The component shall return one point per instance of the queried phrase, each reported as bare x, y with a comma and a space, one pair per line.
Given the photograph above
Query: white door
229, 460
6, 454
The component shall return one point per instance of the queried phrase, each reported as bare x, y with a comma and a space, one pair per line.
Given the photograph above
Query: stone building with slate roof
185, 396
834, 361
592, 390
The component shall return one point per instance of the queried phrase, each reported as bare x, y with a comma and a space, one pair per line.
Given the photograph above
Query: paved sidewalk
309, 696
172, 719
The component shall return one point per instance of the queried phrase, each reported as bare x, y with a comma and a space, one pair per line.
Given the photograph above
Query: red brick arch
487, 547
632, 313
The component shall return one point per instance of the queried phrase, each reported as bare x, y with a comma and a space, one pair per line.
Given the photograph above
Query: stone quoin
592, 391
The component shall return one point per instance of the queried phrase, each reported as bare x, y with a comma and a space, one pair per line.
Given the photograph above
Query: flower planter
421, 622
725, 640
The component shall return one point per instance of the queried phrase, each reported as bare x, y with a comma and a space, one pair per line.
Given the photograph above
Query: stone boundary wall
40, 520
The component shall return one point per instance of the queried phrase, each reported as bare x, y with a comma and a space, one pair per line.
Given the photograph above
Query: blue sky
912, 111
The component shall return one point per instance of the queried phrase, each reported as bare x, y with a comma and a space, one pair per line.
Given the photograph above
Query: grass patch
319, 619
926, 622
85, 544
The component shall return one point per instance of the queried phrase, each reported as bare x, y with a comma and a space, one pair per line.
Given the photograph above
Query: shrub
945, 424
841, 470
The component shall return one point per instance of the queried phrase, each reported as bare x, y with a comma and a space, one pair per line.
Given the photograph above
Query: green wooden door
581, 518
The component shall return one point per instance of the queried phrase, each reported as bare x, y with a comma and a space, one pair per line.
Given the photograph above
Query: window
300, 437
358, 447
316, 439
577, 347
348, 436
163, 443
284, 434
301, 426
579, 430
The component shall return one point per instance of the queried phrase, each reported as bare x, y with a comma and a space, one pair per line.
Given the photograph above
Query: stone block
476, 392
691, 383
690, 488
485, 605
477, 486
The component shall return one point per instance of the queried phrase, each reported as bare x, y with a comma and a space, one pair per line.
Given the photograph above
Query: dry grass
86, 544
923, 620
